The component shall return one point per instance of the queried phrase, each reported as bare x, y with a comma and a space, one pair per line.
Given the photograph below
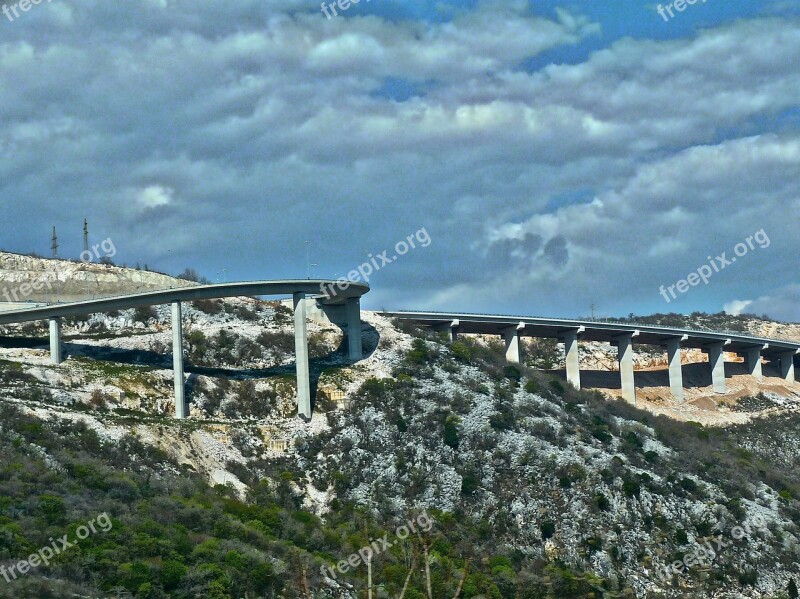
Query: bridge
624, 337
341, 304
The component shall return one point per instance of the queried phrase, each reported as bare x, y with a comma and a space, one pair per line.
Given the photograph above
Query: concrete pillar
513, 343
354, 328
675, 368
752, 356
572, 357
301, 357
716, 361
56, 356
787, 366
625, 357
177, 361
451, 328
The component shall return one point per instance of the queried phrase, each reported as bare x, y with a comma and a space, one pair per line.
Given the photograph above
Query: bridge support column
451, 328
572, 358
625, 357
752, 356
675, 368
513, 343
301, 357
787, 366
56, 356
177, 360
716, 361
354, 329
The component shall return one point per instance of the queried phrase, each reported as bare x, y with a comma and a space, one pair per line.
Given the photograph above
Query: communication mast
85, 235
54, 247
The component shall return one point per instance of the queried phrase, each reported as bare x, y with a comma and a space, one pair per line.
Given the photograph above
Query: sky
544, 157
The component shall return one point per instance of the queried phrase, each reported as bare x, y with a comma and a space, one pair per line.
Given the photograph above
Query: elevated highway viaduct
624, 337
341, 304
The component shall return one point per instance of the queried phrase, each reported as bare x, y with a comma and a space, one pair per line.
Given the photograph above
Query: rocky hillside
533, 489
536, 490
29, 278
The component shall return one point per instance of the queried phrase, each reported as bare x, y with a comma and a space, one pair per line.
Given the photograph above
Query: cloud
257, 125
154, 196
737, 307
782, 304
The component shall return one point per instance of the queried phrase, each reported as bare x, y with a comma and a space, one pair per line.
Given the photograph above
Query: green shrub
602, 502
461, 352
451, 431
144, 314
469, 483
512, 373
631, 488
532, 386
681, 538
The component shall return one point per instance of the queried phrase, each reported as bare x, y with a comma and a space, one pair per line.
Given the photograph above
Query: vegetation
720, 321
502, 457
190, 274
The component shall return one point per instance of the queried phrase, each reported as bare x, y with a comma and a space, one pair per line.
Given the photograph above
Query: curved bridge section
624, 337
341, 298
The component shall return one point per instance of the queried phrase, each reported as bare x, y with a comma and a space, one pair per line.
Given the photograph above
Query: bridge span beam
624, 343
301, 357
177, 361
675, 366
56, 356
572, 356
716, 361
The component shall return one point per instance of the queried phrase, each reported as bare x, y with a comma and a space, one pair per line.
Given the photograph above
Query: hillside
535, 490
29, 278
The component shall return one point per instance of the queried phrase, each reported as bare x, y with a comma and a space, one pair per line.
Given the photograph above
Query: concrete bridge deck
342, 303
624, 337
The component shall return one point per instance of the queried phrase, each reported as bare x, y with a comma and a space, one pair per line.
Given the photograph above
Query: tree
190, 274
543, 354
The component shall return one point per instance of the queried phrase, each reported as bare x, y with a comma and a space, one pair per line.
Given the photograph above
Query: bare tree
408, 578
463, 578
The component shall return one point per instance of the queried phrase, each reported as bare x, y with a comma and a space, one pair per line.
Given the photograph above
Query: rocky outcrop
27, 278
